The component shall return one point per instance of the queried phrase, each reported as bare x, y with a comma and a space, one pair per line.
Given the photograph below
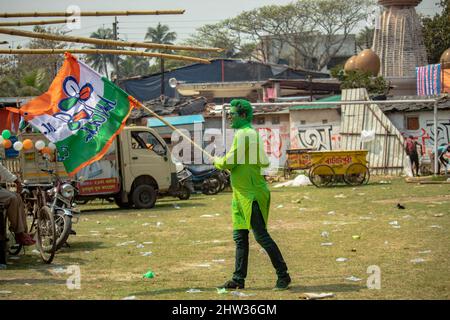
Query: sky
133, 28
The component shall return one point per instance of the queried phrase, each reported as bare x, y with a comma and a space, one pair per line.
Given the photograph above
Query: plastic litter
326, 244
241, 294
331, 212
129, 298
314, 296
367, 135
325, 234
340, 196
353, 278
356, 237
280, 206
148, 275
418, 260
203, 265
140, 246
394, 223
341, 259
159, 224
438, 215
125, 243
222, 291
147, 242
145, 224
193, 291
5, 292
436, 226
176, 206
300, 180
425, 251
146, 254
206, 216
219, 260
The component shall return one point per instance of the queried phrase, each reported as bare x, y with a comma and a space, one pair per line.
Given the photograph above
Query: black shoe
282, 283
72, 232
231, 284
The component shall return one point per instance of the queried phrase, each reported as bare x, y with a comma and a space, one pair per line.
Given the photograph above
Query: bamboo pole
90, 13
34, 23
114, 43
104, 51
173, 128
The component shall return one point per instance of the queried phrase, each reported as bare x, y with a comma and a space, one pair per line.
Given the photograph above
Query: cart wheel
357, 174
321, 175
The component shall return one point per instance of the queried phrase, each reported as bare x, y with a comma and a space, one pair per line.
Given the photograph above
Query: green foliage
436, 32
360, 79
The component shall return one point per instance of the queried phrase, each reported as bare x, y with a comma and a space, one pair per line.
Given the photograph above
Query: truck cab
135, 171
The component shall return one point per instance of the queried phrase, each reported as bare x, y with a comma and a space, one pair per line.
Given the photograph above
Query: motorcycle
61, 199
206, 178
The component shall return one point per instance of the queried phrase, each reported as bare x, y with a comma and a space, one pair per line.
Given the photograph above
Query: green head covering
240, 108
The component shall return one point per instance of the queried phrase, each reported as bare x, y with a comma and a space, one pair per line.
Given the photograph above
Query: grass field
191, 247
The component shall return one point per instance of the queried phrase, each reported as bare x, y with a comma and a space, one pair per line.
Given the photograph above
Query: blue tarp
149, 87
176, 121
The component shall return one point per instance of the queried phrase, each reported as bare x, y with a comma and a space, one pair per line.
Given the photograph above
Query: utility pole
116, 57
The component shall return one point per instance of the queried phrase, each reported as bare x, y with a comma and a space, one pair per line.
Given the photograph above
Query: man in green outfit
251, 196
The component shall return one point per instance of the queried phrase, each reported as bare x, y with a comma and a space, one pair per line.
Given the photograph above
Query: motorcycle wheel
212, 185
63, 225
185, 193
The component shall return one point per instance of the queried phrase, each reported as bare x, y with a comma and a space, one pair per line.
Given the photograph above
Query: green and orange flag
82, 113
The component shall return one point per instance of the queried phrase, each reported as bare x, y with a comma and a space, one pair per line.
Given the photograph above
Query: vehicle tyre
212, 185
357, 174
46, 234
63, 225
185, 193
144, 196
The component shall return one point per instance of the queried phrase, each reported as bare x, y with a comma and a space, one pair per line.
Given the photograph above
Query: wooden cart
330, 167
297, 159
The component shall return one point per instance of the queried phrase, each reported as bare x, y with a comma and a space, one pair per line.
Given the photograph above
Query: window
275, 119
324, 121
145, 140
412, 123
260, 120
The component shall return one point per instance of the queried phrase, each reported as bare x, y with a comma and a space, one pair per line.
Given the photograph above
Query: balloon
7, 143
18, 145
52, 146
47, 150
27, 144
39, 144
6, 134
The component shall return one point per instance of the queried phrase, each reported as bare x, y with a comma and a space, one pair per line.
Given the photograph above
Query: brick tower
398, 39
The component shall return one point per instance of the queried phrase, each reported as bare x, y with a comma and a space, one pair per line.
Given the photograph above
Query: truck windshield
146, 140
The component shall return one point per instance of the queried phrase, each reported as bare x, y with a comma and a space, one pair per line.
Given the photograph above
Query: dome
445, 59
367, 60
399, 3
350, 64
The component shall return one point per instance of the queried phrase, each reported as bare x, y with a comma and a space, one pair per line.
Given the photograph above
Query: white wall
314, 133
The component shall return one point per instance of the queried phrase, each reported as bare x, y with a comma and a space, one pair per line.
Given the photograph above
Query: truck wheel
144, 196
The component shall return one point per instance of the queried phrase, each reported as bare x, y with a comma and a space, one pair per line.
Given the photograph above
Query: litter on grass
146, 254
418, 260
300, 180
353, 278
129, 298
325, 234
341, 259
340, 196
326, 244
315, 296
241, 294
194, 291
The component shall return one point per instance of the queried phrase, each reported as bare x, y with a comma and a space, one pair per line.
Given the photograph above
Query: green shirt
245, 160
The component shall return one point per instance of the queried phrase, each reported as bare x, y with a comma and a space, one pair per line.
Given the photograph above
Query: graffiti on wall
425, 136
317, 137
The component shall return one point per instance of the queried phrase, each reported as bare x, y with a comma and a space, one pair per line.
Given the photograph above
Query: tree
161, 35
133, 66
100, 61
364, 39
436, 32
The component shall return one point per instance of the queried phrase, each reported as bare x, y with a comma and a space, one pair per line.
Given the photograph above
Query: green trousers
263, 238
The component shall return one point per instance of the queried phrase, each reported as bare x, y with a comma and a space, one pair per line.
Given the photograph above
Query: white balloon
39, 145
52, 146
18, 145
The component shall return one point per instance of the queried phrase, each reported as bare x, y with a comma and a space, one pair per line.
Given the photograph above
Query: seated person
14, 208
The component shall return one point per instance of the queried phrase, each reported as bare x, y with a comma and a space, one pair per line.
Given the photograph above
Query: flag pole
172, 127
105, 51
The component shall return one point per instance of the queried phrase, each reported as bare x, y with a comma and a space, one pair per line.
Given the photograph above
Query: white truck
136, 170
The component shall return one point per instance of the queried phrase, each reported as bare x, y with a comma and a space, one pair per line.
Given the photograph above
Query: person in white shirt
15, 210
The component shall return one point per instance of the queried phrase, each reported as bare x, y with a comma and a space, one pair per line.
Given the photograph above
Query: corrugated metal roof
176, 121
443, 104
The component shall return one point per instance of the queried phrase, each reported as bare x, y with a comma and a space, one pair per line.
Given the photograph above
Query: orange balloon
27, 144
7, 143
47, 150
